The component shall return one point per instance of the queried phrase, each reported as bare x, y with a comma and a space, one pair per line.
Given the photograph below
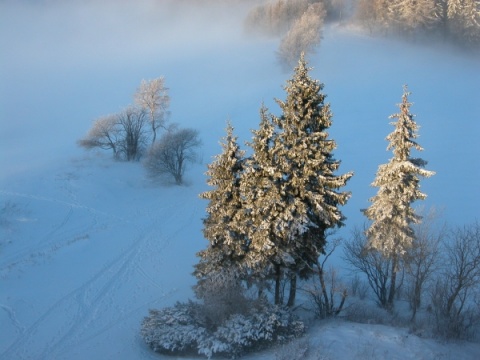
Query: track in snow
113, 294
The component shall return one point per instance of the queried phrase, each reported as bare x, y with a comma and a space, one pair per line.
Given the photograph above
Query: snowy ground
87, 256
88, 245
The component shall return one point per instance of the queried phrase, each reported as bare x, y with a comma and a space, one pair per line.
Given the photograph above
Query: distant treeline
458, 20
300, 22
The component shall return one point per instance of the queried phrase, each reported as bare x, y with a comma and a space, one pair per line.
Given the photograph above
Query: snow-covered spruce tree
398, 183
262, 200
227, 245
295, 198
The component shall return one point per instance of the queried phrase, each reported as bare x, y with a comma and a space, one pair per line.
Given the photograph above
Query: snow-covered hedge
179, 330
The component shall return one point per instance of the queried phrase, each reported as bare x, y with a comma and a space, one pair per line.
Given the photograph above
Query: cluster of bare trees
440, 274
457, 19
132, 133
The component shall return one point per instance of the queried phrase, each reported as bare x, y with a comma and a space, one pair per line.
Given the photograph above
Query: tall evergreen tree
226, 246
398, 183
298, 198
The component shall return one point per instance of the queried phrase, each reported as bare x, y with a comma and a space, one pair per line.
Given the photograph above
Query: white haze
69, 62
64, 63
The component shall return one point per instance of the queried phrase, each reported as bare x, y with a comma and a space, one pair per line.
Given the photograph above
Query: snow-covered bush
173, 329
178, 330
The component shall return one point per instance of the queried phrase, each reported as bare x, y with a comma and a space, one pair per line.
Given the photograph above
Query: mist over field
64, 64
70, 62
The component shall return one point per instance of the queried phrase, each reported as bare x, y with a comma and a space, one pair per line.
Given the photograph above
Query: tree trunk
393, 281
293, 290
278, 276
417, 295
324, 286
154, 129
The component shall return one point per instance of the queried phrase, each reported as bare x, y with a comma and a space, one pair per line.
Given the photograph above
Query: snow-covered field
88, 245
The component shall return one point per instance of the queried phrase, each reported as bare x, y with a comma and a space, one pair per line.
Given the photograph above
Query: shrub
179, 330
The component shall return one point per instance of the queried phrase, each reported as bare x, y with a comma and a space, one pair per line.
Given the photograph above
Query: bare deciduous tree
423, 258
131, 122
329, 294
374, 265
104, 134
172, 152
152, 96
123, 133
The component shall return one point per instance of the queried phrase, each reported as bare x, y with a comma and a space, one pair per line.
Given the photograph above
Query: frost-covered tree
405, 15
398, 182
124, 133
386, 13
275, 17
152, 96
304, 35
227, 245
411, 15
298, 197
464, 19
104, 134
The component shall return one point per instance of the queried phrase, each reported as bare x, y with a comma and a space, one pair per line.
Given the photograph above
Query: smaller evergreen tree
227, 246
398, 184
262, 203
